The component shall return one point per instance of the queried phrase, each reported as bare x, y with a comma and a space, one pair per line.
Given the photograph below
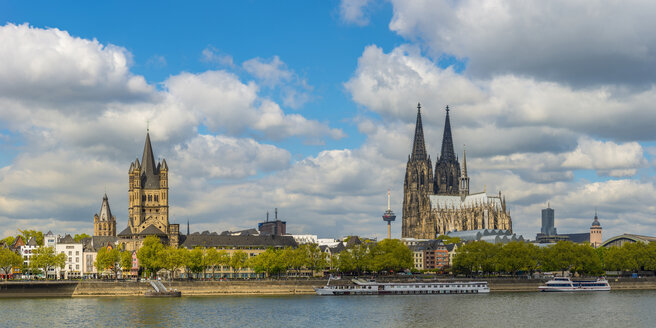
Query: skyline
310, 108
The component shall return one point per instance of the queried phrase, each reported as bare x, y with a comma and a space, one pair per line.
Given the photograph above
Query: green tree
390, 255
195, 262
238, 260
27, 234
149, 254
516, 256
8, 240
315, 260
44, 259
477, 256
172, 259
109, 259
126, 262
270, 262
81, 236
9, 260
560, 257
614, 259
448, 240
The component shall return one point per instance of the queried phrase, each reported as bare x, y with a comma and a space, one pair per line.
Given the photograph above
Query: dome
596, 223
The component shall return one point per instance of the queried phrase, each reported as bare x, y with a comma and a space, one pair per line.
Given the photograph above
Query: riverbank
20, 289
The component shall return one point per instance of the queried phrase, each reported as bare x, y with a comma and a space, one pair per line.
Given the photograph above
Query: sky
309, 107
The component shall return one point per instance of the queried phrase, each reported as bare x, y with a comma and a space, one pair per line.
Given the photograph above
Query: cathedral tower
447, 168
104, 223
149, 194
416, 188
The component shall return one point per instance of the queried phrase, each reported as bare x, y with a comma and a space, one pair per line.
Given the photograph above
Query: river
597, 309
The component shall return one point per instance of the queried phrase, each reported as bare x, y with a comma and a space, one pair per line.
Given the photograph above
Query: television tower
389, 216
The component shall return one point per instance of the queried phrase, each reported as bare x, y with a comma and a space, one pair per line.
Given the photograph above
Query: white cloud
212, 157
270, 73
354, 11
215, 56
49, 65
576, 42
274, 73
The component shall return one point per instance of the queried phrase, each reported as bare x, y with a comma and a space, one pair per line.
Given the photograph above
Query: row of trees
386, 255
43, 259
513, 257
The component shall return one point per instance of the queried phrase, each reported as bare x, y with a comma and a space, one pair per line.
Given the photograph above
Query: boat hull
405, 289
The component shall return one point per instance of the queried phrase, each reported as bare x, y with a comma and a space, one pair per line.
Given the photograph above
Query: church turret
447, 168
417, 186
464, 179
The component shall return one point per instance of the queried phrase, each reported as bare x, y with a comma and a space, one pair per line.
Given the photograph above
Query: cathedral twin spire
448, 178
419, 146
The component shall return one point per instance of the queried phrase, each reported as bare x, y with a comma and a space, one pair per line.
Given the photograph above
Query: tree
8, 240
109, 259
44, 258
9, 260
447, 240
270, 262
81, 236
315, 260
126, 261
215, 259
27, 234
172, 259
195, 262
238, 260
560, 257
390, 255
149, 254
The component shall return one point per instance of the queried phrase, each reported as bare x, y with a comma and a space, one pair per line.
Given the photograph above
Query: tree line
514, 257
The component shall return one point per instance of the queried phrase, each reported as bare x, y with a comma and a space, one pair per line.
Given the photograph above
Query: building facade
435, 205
595, 232
74, 257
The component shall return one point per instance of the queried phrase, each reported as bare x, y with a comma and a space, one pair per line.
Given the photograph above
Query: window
70, 253
150, 198
77, 252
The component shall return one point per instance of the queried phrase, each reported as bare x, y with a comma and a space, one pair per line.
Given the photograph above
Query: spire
447, 153
418, 145
464, 161
105, 213
150, 179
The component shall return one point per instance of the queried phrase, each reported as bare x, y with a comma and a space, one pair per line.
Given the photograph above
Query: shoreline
82, 289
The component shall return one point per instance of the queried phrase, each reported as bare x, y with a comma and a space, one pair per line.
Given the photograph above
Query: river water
597, 309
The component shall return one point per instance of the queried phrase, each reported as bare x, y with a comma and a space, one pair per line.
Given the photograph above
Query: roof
577, 237
455, 201
67, 240
596, 223
125, 233
353, 240
95, 243
149, 172
151, 230
209, 240
32, 242
105, 213
629, 237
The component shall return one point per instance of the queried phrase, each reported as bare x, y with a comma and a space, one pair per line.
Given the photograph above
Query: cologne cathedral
434, 204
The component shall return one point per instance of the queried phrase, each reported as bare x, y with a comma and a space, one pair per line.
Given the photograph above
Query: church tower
104, 223
149, 194
595, 232
416, 188
447, 168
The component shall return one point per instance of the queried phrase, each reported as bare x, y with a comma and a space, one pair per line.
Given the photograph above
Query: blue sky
310, 106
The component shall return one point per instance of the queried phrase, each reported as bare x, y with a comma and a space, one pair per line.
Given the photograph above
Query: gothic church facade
148, 202
434, 204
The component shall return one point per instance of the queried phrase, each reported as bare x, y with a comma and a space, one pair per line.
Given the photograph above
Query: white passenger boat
564, 284
374, 288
